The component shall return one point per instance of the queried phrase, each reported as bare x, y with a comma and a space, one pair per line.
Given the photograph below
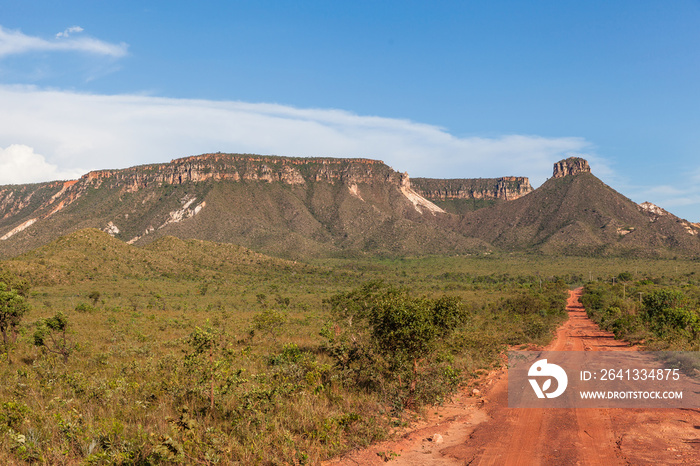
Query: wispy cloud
682, 199
101, 131
14, 42
696, 175
68, 31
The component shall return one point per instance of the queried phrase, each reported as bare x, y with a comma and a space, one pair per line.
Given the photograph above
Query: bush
85, 308
668, 311
269, 322
384, 339
526, 303
13, 306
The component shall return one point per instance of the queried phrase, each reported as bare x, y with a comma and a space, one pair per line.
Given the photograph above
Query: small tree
52, 334
270, 322
408, 329
13, 306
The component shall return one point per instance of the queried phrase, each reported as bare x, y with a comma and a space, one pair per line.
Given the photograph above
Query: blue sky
440, 88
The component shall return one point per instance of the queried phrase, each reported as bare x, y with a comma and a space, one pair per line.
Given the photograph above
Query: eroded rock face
571, 166
241, 167
506, 188
30, 203
652, 209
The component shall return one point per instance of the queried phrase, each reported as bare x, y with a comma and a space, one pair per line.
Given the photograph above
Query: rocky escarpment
506, 188
31, 203
570, 166
307, 207
311, 196
244, 167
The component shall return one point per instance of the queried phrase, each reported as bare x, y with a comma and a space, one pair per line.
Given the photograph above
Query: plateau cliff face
506, 188
320, 203
235, 167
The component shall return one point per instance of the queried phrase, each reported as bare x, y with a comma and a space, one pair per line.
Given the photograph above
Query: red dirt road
484, 431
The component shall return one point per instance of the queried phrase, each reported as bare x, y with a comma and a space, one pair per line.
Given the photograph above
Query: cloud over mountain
102, 131
20, 164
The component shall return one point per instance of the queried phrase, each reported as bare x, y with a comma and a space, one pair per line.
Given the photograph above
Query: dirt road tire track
486, 432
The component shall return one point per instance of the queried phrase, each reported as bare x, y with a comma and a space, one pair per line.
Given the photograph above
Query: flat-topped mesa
506, 188
247, 167
45, 200
571, 166
219, 157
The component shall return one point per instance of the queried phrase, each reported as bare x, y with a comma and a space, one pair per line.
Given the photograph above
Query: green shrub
269, 322
85, 308
13, 306
386, 338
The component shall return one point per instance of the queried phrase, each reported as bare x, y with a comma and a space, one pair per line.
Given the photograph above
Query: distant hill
311, 207
575, 213
90, 254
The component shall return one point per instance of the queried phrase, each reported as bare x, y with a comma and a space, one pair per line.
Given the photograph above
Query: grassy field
188, 352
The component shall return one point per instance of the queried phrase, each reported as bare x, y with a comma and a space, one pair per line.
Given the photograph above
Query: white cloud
20, 164
15, 42
100, 131
69, 31
665, 190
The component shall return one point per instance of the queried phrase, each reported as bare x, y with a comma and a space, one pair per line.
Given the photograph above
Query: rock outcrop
244, 167
570, 166
506, 188
655, 213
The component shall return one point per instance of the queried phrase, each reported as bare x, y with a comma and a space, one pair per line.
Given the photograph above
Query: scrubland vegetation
663, 314
187, 352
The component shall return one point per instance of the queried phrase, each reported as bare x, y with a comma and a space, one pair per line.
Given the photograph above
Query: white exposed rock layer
16, 230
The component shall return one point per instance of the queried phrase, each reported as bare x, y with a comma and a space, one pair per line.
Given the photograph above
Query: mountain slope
90, 254
292, 207
576, 213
